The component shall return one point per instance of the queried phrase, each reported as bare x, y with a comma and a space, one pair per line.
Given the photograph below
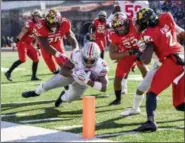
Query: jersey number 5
131, 9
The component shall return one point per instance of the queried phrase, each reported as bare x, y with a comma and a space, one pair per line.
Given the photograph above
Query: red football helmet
53, 20
36, 15
120, 23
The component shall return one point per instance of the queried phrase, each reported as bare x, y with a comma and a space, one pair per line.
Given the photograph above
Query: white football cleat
130, 111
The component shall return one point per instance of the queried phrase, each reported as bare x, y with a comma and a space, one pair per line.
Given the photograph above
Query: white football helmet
90, 54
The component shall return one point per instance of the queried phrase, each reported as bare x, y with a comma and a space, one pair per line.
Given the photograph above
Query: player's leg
138, 96
122, 69
34, 56
143, 68
74, 92
178, 94
55, 82
22, 50
49, 60
161, 80
101, 43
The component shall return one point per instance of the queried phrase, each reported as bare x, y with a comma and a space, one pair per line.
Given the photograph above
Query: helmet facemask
90, 54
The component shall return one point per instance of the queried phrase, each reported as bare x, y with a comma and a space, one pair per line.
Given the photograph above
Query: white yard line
17, 69
131, 78
40, 120
17, 103
14, 114
11, 132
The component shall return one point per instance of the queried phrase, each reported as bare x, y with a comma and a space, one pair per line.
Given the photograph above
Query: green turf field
68, 117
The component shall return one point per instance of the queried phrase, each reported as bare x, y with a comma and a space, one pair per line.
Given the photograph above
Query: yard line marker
11, 132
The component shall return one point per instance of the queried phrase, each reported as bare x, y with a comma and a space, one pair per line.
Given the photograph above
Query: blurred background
14, 13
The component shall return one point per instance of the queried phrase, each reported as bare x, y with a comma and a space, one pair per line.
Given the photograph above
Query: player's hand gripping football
81, 77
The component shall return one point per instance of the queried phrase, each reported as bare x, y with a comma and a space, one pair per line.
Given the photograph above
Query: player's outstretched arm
66, 69
22, 33
100, 85
45, 43
114, 54
72, 40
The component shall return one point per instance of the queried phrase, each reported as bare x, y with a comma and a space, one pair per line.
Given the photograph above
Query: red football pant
165, 75
178, 92
51, 60
27, 49
124, 65
101, 42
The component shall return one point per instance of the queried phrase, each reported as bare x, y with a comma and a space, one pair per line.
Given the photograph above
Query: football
94, 77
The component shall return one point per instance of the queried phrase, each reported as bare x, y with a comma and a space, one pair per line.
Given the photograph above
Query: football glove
81, 77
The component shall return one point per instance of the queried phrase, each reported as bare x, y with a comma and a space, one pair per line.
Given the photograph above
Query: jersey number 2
169, 35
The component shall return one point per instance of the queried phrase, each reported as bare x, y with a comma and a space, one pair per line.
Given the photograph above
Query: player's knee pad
180, 107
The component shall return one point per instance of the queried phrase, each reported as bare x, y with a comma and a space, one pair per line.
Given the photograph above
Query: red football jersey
100, 28
163, 37
53, 38
29, 36
125, 42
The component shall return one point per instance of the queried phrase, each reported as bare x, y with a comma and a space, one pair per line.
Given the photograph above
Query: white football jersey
100, 68
131, 7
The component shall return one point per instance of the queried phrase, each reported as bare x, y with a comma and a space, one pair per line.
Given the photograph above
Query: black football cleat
28, 94
66, 87
115, 102
8, 76
59, 100
56, 72
147, 126
34, 78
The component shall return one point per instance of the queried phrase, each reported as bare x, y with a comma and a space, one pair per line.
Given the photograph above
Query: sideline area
11, 132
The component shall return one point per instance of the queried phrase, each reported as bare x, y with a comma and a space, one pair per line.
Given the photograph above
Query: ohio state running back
76, 73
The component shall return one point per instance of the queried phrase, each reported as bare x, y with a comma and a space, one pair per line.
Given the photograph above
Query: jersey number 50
131, 9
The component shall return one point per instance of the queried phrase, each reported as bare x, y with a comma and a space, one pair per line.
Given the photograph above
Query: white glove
81, 77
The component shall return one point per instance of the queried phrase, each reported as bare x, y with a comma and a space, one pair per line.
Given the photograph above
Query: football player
123, 40
158, 34
50, 32
145, 84
76, 73
130, 7
25, 46
98, 31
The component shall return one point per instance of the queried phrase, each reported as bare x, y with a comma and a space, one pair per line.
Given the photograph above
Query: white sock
40, 89
124, 83
137, 101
